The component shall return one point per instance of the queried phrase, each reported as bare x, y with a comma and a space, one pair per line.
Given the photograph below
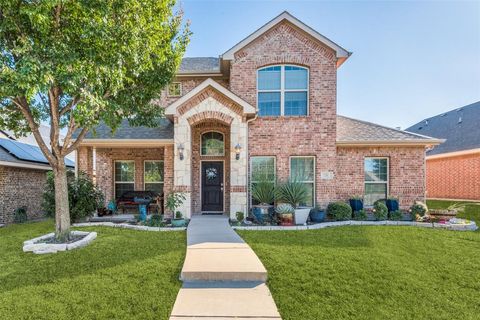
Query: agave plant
291, 192
263, 192
284, 208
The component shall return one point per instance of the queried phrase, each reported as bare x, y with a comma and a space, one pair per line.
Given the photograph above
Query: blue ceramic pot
317, 215
178, 222
392, 205
356, 204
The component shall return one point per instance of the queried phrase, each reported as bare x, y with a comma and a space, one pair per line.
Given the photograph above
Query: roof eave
126, 142
453, 154
413, 142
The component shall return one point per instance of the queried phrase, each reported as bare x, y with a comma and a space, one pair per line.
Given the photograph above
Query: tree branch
77, 141
71, 129
70, 106
53, 96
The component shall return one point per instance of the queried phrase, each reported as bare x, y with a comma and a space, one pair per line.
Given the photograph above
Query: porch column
85, 160
168, 167
182, 177
238, 168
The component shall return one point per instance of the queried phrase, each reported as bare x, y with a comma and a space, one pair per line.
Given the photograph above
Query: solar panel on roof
23, 151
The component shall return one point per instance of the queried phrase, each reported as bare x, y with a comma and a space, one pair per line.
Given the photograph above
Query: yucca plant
263, 192
291, 192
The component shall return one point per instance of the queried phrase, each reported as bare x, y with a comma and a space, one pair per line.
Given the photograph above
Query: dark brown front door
212, 186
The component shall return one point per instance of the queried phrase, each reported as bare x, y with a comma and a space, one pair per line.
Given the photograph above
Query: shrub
380, 210
396, 215
84, 198
263, 191
339, 211
240, 216
178, 215
291, 192
174, 201
418, 209
20, 215
360, 215
155, 220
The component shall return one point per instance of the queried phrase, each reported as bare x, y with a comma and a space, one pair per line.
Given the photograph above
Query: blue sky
411, 60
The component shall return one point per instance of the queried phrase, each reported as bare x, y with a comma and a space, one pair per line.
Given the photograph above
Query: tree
75, 63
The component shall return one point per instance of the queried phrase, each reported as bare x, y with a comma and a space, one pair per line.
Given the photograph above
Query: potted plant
285, 212
392, 204
356, 202
418, 210
294, 193
263, 192
174, 201
317, 215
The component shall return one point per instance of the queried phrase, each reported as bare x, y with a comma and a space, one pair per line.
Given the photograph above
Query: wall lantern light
180, 149
238, 148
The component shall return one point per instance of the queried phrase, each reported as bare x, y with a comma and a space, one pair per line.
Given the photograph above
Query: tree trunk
62, 212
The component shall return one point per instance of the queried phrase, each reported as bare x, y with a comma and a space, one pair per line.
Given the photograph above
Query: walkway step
224, 300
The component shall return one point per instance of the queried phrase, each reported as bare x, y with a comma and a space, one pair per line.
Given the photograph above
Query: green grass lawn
123, 274
472, 210
371, 272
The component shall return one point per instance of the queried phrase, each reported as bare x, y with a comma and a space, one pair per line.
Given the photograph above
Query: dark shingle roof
200, 65
353, 130
164, 130
460, 127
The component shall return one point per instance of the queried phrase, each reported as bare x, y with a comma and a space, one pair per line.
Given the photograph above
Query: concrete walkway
223, 277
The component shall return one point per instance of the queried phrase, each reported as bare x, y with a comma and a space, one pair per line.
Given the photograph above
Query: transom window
153, 176
212, 144
124, 177
302, 169
376, 180
262, 169
282, 90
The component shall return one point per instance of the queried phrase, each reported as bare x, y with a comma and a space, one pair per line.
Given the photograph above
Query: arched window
282, 91
212, 144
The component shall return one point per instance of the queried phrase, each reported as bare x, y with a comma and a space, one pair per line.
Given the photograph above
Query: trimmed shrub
418, 209
360, 215
396, 215
340, 211
20, 215
380, 211
240, 216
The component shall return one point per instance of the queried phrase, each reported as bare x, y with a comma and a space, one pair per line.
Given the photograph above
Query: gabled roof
460, 127
247, 108
342, 54
357, 132
202, 65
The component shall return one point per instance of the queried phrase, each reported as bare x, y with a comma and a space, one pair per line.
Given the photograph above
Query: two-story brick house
265, 108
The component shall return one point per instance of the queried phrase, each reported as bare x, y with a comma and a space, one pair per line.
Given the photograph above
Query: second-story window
282, 90
175, 89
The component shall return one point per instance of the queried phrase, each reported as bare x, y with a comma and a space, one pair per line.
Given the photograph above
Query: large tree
74, 63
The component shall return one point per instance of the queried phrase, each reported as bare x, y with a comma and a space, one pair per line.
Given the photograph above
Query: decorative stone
38, 247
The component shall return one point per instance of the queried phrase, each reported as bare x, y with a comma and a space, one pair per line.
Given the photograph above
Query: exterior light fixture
180, 149
238, 148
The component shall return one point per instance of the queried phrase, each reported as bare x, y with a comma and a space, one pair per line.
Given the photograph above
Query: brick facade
454, 177
14, 183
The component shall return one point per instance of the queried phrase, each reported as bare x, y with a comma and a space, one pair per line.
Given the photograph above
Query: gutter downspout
248, 163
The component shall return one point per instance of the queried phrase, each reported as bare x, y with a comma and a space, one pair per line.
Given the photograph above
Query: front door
212, 186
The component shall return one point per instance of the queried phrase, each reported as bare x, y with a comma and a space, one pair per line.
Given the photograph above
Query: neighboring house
23, 170
453, 168
265, 109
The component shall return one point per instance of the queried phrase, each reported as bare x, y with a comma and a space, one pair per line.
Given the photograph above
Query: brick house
453, 168
22, 178
264, 108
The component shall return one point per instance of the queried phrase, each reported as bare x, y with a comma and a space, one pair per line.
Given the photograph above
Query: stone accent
21, 187
454, 177
209, 116
37, 246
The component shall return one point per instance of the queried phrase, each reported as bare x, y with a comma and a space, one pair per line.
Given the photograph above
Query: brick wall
21, 187
187, 85
454, 177
314, 135
407, 172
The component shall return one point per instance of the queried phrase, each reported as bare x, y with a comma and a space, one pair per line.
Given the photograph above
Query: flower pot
301, 215
262, 213
392, 205
356, 204
286, 219
178, 222
317, 215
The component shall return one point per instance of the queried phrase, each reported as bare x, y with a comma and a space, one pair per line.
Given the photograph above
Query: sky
411, 60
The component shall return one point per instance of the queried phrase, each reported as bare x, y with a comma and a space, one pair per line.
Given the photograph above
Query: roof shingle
200, 65
164, 130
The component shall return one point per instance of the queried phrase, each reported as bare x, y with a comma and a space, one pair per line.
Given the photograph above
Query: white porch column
238, 168
182, 179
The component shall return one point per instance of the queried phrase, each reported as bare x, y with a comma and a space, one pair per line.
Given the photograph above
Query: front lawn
123, 274
371, 272
472, 209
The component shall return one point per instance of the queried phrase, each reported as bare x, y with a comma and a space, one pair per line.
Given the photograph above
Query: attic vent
460, 119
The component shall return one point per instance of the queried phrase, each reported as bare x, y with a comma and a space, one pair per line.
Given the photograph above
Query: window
376, 180
212, 144
282, 90
124, 177
175, 89
153, 176
262, 169
302, 169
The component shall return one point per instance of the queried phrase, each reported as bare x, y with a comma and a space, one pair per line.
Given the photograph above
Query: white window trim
212, 155
282, 89
115, 182
174, 95
314, 175
144, 170
251, 172
377, 182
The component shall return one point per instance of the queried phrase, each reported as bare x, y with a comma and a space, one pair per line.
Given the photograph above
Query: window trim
122, 182
282, 89
387, 182
155, 182
201, 145
251, 173
314, 175
180, 87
